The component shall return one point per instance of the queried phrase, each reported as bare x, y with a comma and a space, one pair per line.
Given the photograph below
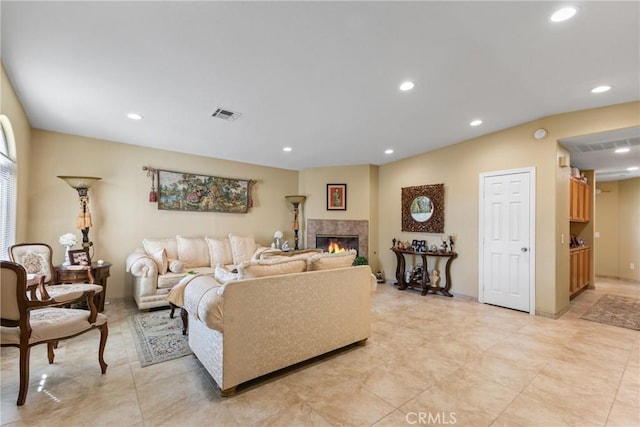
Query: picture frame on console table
336, 197
80, 257
423, 208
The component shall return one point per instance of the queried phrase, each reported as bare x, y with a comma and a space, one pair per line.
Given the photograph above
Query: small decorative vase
67, 261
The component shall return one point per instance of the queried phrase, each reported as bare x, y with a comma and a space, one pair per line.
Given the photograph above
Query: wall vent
226, 114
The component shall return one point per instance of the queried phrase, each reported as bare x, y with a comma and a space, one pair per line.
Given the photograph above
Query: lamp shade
296, 200
79, 181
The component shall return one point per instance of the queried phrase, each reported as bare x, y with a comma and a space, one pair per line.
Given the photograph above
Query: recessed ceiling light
389, 151
287, 149
601, 89
633, 168
563, 14
622, 150
405, 86
476, 122
134, 116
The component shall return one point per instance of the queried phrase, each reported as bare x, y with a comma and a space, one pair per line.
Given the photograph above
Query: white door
506, 236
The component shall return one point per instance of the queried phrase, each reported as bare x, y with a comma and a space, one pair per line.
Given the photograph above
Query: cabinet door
573, 199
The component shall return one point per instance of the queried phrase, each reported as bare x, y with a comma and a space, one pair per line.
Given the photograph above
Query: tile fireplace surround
339, 227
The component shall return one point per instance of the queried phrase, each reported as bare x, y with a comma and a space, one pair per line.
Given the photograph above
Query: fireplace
339, 228
329, 243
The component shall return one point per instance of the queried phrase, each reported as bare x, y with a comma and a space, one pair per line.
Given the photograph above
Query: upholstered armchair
37, 260
26, 322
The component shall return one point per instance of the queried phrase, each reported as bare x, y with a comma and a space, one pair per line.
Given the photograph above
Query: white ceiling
320, 77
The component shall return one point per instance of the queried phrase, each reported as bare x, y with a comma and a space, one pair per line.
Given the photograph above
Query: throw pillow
263, 268
176, 266
242, 248
193, 251
160, 259
329, 261
152, 246
223, 275
219, 251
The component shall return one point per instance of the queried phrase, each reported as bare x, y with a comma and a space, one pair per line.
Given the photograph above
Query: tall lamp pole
296, 201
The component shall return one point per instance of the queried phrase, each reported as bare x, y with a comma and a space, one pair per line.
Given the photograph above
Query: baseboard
622, 279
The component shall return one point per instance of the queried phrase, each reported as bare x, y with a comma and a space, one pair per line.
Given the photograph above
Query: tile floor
430, 361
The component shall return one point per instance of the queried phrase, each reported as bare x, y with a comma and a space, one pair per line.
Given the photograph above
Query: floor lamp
296, 201
82, 184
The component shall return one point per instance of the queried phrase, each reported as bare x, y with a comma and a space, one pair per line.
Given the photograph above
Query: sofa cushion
152, 246
160, 258
272, 267
219, 251
329, 261
242, 248
193, 251
176, 266
169, 280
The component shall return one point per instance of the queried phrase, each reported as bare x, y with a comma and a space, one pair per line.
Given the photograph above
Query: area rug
616, 310
158, 338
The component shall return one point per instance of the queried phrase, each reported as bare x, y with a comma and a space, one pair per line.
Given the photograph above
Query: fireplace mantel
340, 227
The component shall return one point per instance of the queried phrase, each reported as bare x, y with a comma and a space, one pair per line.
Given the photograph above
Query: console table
426, 284
100, 273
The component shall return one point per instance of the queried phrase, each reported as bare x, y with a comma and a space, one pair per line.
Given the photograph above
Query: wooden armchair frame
18, 315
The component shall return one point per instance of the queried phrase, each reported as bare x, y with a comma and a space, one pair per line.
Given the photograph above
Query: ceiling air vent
225, 114
599, 146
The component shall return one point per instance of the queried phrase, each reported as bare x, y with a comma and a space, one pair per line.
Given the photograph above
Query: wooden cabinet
580, 201
580, 260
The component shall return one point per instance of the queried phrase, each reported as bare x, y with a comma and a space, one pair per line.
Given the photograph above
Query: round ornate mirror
421, 208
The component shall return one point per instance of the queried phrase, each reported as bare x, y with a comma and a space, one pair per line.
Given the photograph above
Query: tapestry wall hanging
180, 191
423, 208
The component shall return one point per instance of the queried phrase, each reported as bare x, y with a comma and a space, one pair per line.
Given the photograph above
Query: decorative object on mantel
152, 172
83, 222
336, 197
181, 191
68, 240
423, 208
277, 239
295, 200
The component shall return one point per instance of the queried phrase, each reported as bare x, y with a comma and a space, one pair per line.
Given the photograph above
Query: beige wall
121, 212
459, 166
606, 247
362, 193
11, 107
618, 222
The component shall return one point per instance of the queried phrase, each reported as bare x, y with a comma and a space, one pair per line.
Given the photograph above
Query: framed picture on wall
336, 197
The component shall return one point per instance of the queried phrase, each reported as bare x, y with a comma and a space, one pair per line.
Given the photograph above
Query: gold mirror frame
435, 224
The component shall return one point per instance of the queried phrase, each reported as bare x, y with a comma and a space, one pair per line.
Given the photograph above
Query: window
7, 188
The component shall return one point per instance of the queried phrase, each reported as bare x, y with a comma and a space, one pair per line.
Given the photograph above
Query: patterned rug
158, 338
615, 310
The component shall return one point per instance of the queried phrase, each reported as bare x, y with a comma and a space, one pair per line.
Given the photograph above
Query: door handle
524, 249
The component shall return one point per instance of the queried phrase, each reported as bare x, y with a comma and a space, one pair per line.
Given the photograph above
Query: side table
425, 283
100, 273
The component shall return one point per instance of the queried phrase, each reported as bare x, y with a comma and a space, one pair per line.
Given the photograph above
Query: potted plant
361, 260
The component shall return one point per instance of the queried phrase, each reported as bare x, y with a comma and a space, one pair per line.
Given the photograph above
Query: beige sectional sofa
259, 323
161, 263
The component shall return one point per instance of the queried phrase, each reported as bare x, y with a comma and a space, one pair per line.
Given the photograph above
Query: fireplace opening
334, 244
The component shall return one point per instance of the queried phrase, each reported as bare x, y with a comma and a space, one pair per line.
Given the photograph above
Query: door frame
532, 232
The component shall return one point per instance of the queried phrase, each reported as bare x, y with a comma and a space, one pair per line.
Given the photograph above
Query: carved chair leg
24, 374
50, 354
173, 309
185, 320
104, 332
